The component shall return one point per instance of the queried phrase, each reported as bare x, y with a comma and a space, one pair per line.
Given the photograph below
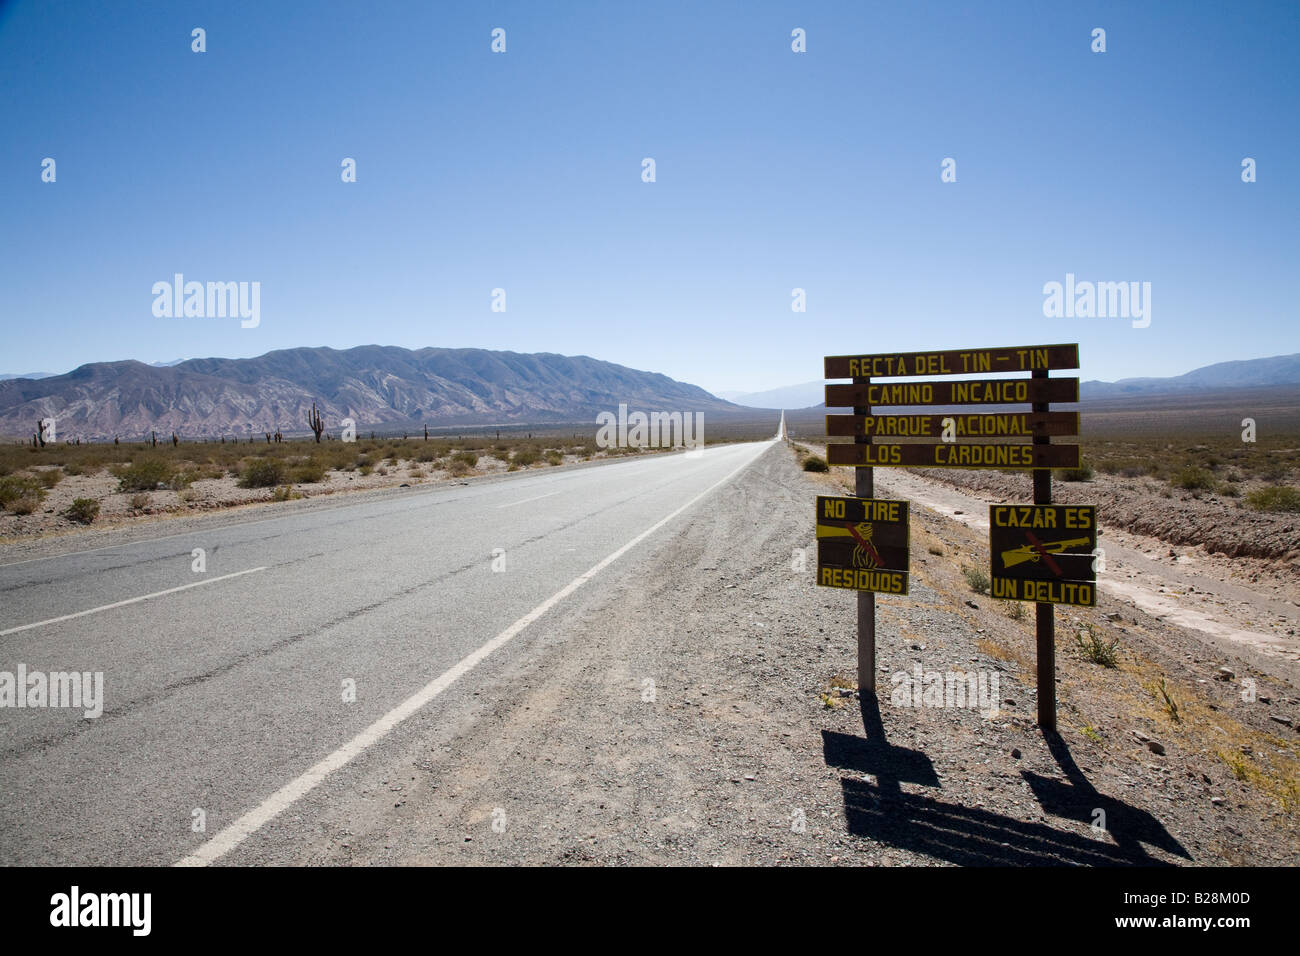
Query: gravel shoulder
700, 710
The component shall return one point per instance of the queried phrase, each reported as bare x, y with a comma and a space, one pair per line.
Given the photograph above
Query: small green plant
554, 457
262, 473
143, 475
1095, 649
814, 463
977, 579
1161, 693
50, 477
1083, 473
1091, 733
16, 488
523, 457
1016, 610
1192, 479
284, 493
82, 510
1275, 498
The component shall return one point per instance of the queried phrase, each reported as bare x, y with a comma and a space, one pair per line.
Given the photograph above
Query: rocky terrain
706, 713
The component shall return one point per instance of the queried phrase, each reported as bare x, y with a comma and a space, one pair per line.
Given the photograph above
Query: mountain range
374, 385
1274, 371
402, 388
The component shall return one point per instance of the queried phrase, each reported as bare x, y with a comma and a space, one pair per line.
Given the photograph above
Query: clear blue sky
775, 170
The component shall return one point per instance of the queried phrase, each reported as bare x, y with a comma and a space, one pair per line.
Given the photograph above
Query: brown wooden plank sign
862, 544
1044, 553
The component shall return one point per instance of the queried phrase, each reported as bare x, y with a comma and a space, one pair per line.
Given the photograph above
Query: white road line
239, 831
511, 504
134, 600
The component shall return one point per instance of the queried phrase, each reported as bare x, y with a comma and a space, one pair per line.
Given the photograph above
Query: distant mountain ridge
1252, 373
374, 385
1277, 370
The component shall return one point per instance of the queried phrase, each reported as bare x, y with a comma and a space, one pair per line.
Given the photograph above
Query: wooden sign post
999, 442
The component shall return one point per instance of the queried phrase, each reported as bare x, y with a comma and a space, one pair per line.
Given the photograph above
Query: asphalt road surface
307, 643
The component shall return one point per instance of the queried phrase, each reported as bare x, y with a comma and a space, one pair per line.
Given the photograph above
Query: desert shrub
308, 472
1083, 473
554, 457
82, 510
139, 502
977, 579
143, 475
50, 477
524, 457
262, 473
1276, 498
24, 506
1193, 479
15, 488
468, 458
284, 493
814, 463
366, 469
458, 467
1095, 649
1132, 472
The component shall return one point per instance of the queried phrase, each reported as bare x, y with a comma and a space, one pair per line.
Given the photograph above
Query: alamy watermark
1098, 300
213, 300
968, 689
655, 430
22, 688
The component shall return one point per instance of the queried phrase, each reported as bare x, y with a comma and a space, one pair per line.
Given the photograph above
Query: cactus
315, 423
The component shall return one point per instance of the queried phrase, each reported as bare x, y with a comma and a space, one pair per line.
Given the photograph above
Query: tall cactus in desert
314, 421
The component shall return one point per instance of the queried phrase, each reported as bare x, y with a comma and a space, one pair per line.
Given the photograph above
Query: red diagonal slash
1047, 558
866, 544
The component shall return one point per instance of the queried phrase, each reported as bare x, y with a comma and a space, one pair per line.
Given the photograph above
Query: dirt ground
704, 713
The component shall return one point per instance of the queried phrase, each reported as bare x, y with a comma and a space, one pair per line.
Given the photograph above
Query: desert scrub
1083, 473
467, 458
1276, 498
139, 502
284, 493
524, 457
82, 510
1192, 479
814, 463
143, 475
977, 579
50, 477
20, 488
262, 473
553, 457
1095, 649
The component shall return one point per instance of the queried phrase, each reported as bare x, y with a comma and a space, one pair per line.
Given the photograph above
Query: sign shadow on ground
973, 836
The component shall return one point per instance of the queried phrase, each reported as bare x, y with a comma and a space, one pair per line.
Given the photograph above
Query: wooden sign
1005, 425
953, 455
954, 362
1044, 553
984, 391
862, 544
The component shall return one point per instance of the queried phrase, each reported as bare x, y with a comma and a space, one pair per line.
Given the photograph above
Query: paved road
224, 689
